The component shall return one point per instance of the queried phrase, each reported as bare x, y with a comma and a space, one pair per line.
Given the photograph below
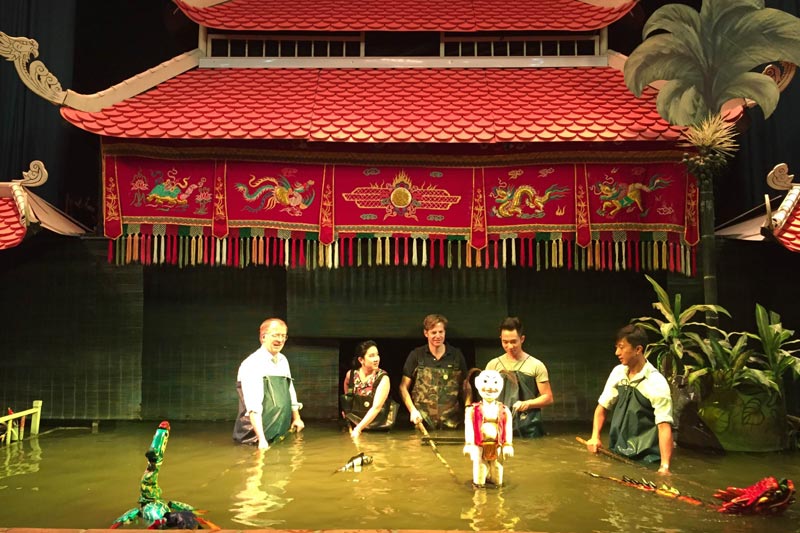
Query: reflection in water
405, 488
18, 459
264, 491
489, 513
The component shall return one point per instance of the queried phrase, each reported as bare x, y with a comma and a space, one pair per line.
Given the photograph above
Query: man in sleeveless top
268, 406
527, 383
432, 378
641, 423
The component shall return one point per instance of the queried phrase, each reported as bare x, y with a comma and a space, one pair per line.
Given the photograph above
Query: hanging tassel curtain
642, 251
587, 216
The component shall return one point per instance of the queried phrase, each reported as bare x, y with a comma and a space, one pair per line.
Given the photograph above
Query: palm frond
764, 36
707, 58
680, 102
672, 18
757, 87
661, 57
717, 17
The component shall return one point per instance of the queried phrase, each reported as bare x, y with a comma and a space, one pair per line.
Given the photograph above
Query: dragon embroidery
617, 196
511, 200
293, 198
169, 192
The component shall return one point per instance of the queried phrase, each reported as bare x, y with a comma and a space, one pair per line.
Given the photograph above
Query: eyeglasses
280, 336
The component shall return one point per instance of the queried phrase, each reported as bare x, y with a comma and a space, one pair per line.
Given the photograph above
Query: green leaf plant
737, 376
725, 364
708, 357
775, 358
675, 348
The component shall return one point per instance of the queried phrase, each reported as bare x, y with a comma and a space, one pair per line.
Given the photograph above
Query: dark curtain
764, 144
30, 127
89, 45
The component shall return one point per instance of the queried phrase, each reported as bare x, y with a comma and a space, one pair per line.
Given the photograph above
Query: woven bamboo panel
392, 301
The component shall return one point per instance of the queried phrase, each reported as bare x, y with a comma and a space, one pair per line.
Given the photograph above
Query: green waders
276, 416
633, 430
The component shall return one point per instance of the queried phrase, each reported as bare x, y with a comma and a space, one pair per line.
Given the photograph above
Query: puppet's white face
489, 384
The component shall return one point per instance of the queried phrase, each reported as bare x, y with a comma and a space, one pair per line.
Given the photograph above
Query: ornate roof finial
34, 177
35, 75
779, 177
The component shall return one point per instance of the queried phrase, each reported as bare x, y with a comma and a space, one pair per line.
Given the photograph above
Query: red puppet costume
487, 431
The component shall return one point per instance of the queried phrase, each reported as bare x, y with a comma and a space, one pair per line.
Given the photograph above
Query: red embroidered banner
639, 197
532, 198
584, 199
275, 196
237, 212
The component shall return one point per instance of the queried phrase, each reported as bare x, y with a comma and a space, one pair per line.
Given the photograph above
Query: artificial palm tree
707, 59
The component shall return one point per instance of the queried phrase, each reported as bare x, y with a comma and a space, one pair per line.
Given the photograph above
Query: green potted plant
671, 329
727, 391
675, 348
775, 357
739, 403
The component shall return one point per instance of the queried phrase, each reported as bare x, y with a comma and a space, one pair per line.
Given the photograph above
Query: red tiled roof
788, 234
387, 105
12, 231
405, 15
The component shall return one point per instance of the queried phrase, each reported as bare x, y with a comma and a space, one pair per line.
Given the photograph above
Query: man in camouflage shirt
434, 373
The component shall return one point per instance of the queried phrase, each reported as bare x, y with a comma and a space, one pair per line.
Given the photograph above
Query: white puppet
487, 431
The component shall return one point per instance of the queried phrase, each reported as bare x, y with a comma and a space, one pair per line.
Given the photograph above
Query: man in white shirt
641, 424
268, 406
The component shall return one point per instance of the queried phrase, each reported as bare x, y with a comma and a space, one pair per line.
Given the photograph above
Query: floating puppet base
355, 463
165, 515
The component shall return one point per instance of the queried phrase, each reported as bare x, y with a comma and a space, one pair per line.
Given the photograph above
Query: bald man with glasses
268, 406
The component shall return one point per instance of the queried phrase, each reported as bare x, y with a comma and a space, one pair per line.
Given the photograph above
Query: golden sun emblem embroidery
401, 197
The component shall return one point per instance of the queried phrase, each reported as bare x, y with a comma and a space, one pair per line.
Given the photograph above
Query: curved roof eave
19, 207
406, 15
377, 105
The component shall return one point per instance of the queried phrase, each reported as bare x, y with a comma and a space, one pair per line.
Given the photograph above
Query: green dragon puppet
157, 512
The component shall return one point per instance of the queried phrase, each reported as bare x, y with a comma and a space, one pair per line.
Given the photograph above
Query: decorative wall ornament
784, 223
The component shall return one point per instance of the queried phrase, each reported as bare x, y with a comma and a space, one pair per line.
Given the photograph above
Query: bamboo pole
432, 443
612, 455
